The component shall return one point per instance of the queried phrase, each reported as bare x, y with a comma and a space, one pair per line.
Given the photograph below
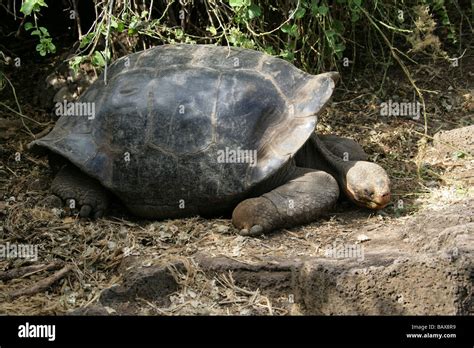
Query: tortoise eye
369, 193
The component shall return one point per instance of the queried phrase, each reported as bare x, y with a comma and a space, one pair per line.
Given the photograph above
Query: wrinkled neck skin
314, 154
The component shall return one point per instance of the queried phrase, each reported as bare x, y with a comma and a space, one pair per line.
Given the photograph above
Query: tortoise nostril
385, 198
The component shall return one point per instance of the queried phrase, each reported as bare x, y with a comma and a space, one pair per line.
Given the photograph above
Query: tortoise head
367, 184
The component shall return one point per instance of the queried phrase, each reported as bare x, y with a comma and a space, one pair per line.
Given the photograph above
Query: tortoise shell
190, 127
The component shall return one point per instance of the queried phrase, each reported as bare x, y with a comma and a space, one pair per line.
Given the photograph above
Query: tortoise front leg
306, 196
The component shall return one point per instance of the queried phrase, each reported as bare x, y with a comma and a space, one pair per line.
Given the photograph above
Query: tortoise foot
254, 216
80, 193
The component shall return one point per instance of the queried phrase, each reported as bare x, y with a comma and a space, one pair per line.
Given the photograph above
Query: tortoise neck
336, 166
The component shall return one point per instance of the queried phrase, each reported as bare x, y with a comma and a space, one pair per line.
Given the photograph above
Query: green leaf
86, 39
339, 47
98, 59
51, 47
287, 55
323, 10
27, 7
239, 3
270, 50
75, 63
291, 30
45, 46
113, 23
44, 31
134, 22
300, 12
212, 30
133, 25
459, 154
32, 6
286, 28
120, 27
330, 33
338, 26
314, 7
40, 49
36, 32
28, 26
179, 33
254, 11
354, 17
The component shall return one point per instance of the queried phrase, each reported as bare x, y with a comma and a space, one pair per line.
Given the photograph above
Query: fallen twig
29, 270
42, 285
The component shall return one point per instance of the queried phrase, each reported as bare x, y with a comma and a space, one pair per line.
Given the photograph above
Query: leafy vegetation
315, 35
32, 8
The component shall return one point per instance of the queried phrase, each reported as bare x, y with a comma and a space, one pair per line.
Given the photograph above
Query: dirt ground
413, 257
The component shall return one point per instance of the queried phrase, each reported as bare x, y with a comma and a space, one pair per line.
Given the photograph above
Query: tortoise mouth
377, 205
383, 200
378, 202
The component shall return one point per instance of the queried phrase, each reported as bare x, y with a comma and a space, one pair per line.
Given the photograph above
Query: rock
222, 229
362, 238
153, 282
267, 276
434, 268
447, 142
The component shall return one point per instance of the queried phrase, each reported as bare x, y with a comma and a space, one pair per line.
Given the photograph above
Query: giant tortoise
185, 130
